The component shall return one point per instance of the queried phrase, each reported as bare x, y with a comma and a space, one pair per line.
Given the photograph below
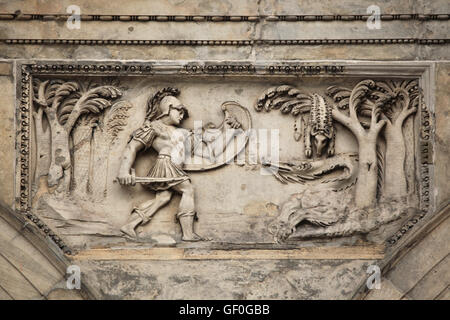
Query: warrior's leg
186, 213
149, 208
143, 213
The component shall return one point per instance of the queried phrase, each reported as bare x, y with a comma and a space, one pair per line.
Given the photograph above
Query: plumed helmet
169, 102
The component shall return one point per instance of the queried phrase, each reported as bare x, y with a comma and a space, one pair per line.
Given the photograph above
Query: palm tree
406, 98
359, 111
63, 102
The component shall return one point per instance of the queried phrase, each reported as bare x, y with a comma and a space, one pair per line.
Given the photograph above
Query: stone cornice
271, 42
223, 18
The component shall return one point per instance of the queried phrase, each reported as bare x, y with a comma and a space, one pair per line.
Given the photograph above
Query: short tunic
164, 167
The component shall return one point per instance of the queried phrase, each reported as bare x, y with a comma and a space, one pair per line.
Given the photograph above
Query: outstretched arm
128, 158
213, 142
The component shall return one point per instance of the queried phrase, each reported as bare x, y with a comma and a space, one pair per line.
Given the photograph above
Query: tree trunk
81, 149
366, 186
60, 155
42, 147
395, 183
100, 163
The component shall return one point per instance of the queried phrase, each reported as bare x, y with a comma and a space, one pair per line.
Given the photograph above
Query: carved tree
362, 104
63, 102
43, 140
91, 100
115, 121
81, 150
48, 96
405, 99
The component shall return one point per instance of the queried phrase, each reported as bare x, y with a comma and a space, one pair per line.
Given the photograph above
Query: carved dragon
326, 213
338, 173
368, 109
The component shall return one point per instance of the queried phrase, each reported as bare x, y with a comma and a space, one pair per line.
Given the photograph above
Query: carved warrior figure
318, 131
160, 131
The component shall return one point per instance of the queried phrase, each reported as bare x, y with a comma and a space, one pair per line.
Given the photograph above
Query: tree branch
406, 110
375, 124
405, 114
354, 126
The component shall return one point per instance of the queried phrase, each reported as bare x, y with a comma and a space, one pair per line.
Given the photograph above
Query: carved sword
135, 179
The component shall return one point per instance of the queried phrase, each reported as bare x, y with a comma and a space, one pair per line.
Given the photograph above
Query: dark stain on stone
287, 264
238, 296
179, 279
312, 293
113, 277
59, 160
258, 276
107, 296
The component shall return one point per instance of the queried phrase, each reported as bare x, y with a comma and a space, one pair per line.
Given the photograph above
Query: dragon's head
289, 217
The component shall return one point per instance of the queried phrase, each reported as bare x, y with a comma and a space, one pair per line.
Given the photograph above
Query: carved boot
129, 228
187, 227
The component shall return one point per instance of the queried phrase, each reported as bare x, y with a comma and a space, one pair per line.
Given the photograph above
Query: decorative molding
24, 144
39, 243
393, 257
24, 117
223, 18
375, 252
270, 42
28, 69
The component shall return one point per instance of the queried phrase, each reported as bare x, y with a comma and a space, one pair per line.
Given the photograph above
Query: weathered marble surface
237, 279
442, 147
227, 30
227, 279
231, 7
235, 203
7, 135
